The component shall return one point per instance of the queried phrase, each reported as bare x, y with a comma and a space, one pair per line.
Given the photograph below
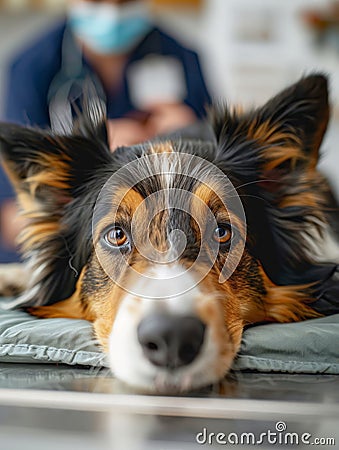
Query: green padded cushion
305, 347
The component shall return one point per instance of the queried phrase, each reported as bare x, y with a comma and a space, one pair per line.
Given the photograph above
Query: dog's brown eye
222, 234
116, 237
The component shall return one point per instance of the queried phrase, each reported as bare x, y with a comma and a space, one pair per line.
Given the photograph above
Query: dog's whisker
252, 196
264, 180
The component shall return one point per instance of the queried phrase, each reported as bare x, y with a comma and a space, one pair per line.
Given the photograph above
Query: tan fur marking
161, 147
71, 308
205, 193
208, 196
222, 315
275, 156
105, 308
33, 234
310, 199
54, 173
287, 303
46, 178
124, 199
282, 146
310, 191
268, 133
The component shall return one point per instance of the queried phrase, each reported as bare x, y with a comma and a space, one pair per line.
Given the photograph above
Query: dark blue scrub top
32, 72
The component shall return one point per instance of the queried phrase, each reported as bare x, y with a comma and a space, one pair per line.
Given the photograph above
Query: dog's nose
171, 341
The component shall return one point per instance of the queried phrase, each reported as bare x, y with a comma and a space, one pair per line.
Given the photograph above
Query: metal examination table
53, 407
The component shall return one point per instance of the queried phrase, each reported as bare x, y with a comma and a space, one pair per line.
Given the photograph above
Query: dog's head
172, 247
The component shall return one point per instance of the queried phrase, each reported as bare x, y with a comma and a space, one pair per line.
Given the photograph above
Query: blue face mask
107, 28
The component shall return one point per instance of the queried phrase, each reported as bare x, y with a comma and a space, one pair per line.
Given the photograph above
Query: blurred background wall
249, 48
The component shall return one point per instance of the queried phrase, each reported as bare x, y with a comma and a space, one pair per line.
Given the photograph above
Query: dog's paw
13, 279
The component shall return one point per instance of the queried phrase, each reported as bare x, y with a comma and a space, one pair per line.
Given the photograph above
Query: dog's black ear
39, 159
36, 160
56, 179
272, 152
289, 130
284, 134
300, 111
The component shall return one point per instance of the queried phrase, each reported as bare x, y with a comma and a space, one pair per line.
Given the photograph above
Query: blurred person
150, 83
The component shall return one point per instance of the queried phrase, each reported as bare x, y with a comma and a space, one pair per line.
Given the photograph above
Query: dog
172, 247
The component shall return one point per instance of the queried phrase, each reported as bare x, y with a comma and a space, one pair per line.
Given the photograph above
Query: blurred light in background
17, 5
60, 4
249, 49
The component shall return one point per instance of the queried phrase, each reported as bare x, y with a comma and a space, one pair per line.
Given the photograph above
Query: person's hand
11, 223
126, 132
168, 117
160, 118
